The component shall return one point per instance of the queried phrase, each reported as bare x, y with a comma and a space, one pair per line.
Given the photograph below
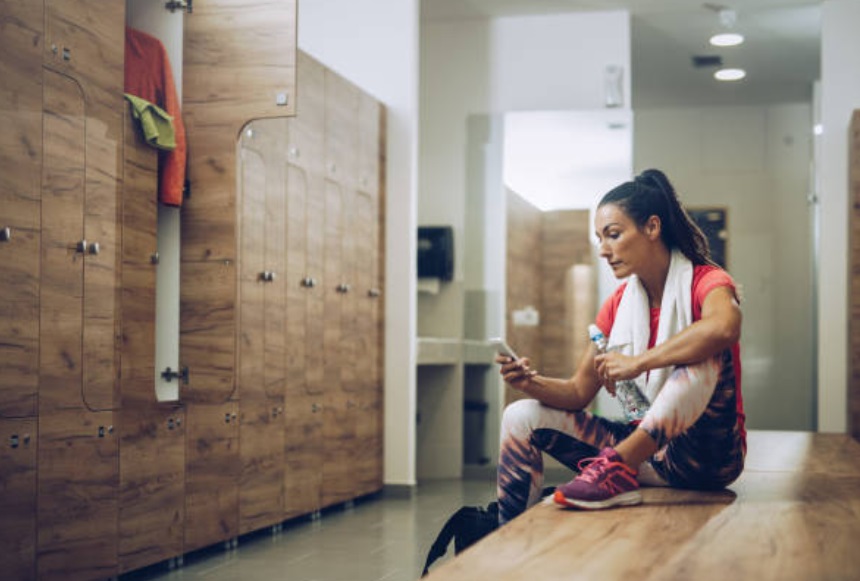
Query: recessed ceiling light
730, 74
727, 39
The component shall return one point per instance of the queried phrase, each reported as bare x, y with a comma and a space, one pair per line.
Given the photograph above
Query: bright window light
727, 39
730, 74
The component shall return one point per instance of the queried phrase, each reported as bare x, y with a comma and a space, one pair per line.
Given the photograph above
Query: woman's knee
520, 417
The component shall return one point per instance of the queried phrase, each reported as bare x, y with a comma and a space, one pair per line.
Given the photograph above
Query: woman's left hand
614, 366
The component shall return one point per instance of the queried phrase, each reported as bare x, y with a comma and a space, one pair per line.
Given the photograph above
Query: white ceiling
780, 55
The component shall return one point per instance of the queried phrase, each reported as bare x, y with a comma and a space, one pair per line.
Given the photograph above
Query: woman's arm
572, 394
718, 329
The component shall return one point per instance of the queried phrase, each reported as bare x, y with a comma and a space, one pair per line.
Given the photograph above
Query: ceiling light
730, 74
727, 39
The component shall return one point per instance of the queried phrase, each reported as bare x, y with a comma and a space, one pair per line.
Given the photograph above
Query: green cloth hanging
154, 122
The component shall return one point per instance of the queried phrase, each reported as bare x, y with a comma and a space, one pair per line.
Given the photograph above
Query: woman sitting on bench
673, 329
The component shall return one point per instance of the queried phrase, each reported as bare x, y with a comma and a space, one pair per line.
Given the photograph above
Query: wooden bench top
793, 514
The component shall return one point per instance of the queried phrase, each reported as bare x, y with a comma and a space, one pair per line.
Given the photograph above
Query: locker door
152, 436
261, 337
369, 428
18, 500
305, 214
77, 500
63, 246
341, 99
20, 173
84, 43
212, 474
78, 454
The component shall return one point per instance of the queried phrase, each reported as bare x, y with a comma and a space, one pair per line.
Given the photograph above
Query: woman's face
626, 247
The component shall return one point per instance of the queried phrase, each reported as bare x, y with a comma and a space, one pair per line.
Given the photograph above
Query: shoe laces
592, 468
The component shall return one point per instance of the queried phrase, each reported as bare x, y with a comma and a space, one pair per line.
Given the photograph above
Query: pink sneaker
603, 482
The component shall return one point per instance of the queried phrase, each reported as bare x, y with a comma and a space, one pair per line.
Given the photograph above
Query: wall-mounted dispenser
436, 252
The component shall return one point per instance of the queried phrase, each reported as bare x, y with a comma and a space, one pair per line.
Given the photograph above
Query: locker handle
81, 247
343, 288
94, 248
5, 234
374, 292
309, 282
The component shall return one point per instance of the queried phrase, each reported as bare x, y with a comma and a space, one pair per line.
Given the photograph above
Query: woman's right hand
516, 372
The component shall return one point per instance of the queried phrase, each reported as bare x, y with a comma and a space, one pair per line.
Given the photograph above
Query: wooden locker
78, 455
304, 346
262, 316
18, 498
20, 173
341, 406
84, 45
152, 443
212, 474
368, 268
243, 52
77, 495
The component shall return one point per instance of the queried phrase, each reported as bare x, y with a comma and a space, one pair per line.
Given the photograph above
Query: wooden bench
793, 514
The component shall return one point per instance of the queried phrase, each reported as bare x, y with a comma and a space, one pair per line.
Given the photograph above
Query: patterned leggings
693, 420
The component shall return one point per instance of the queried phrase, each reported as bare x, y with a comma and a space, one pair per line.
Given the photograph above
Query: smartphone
503, 348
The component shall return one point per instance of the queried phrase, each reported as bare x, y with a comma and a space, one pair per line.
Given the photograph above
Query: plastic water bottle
633, 402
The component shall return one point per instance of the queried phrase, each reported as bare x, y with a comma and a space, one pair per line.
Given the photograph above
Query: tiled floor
375, 539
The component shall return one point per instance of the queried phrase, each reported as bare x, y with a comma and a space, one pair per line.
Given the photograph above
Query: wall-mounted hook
169, 375
174, 5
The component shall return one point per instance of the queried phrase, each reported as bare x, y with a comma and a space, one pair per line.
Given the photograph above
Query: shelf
439, 351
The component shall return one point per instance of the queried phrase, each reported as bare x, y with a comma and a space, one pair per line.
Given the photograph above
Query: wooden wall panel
20, 180
524, 281
560, 240
565, 242
854, 289
18, 447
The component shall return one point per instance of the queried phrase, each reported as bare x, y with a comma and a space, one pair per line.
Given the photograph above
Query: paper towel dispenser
436, 252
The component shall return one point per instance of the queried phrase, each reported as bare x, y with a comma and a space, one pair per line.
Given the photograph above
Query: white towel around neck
632, 325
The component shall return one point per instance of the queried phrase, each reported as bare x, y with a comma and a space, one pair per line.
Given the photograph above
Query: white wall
557, 62
374, 43
840, 95
754, 161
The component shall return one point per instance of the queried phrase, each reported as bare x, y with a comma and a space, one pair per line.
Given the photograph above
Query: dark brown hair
651, 194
